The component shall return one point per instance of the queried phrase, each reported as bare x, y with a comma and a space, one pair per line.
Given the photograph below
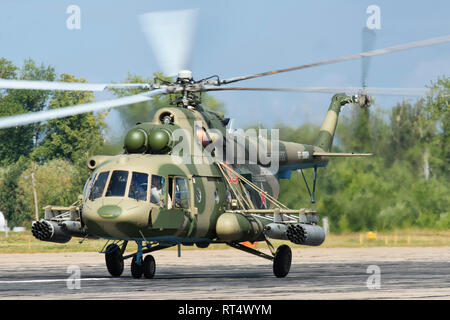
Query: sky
235, 38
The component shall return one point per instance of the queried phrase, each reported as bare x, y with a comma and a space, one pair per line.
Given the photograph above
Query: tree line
405, 184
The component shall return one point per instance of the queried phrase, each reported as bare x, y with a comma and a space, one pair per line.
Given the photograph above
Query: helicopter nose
109, 211
122, 220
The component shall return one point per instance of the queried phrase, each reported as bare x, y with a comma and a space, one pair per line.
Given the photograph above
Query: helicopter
187, 178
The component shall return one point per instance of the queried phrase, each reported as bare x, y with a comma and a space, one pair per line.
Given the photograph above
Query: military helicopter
181, 181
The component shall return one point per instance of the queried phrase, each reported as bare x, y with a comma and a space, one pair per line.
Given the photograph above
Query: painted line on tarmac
53, 280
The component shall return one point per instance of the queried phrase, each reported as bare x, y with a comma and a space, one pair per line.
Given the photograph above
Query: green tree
72, 138
20, 141
438, 108
9, 177
54, 185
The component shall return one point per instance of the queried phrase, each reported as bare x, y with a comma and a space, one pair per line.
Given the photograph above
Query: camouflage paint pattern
204, 218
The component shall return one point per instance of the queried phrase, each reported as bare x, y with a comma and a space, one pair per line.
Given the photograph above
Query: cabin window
117, 184
158, 190
99, 186
138, 186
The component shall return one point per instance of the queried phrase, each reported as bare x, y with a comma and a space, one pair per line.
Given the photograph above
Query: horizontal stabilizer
340, 154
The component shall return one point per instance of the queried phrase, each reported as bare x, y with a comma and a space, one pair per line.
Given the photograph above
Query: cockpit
135, 185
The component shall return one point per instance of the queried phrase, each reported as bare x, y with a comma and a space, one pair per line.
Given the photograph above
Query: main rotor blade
27, 118
348, 90
368, 37
402, 47
69, 86
170, 34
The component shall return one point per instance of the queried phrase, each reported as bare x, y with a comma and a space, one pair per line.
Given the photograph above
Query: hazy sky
237, 38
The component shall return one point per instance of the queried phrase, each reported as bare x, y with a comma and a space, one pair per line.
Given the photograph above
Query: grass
24, 242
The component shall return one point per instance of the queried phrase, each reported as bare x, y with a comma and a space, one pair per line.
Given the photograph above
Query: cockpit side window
158, 190
138, 186
117, 184
88, 185
99, 186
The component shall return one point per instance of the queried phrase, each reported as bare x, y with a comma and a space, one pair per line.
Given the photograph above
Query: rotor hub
185, 76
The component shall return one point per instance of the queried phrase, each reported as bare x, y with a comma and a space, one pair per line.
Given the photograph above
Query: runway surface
316, 273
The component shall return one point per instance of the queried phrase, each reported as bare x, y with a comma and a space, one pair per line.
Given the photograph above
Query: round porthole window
198, 195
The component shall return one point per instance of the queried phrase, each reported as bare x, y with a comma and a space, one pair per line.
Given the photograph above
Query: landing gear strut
282, 258
141, 266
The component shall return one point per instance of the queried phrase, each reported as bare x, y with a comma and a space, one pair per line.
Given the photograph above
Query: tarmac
316, 273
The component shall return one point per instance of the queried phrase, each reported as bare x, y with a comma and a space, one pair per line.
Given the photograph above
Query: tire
114, 260
149, 267
282, 261
136, 269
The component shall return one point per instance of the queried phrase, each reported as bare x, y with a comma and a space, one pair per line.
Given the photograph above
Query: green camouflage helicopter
186, 178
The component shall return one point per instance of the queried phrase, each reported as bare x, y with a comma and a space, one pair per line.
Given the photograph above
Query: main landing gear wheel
114, 260
282, 261
136, 269
149, 267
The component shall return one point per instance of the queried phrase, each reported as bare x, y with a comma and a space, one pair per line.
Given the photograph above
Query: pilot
157, 191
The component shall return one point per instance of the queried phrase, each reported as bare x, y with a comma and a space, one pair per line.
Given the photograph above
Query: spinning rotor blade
69, 86
348, 90
368, 43
170, 34
346, 58
23, 119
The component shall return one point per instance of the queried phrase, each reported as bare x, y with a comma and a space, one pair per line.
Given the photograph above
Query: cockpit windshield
99, 186
138, 186
117, 184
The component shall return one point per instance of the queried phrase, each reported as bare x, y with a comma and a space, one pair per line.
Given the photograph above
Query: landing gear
282, 261
282, 258
136, 268
149, 267
114, 260
146, 267
114, 257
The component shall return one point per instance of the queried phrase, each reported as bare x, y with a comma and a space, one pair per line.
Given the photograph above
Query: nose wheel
141, 266
136, 268
149, 267
146, 267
